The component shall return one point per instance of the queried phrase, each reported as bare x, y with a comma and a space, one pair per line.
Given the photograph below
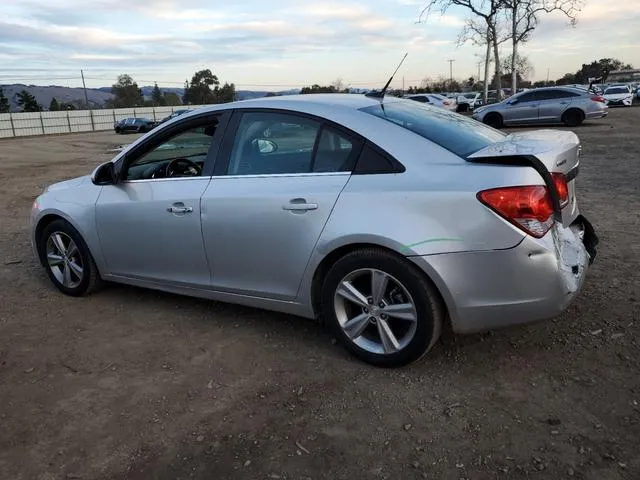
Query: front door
521, 109
264, 212
149, 223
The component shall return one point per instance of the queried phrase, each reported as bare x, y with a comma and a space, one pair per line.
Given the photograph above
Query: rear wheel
118, 130
381, 308
67, 259
493, 120
573, 117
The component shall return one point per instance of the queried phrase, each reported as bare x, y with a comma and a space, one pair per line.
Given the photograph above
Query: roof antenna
381, 93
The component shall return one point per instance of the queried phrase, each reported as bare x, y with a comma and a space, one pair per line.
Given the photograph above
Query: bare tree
338, 84
481, 28
523, 17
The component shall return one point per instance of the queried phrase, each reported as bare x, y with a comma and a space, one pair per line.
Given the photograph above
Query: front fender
81, 215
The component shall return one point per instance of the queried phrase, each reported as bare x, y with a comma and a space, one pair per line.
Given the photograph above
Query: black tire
90, 279
493, 120
462, 108
117, 130
142, 129
573, 117
426, 300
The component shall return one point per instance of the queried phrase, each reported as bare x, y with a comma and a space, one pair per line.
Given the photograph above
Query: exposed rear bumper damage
535, 280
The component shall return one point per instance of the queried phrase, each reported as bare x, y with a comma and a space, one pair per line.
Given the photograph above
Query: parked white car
468, 101
618, 96
434, 99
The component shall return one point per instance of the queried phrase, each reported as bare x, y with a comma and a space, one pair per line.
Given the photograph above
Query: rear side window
553, 94
456, 133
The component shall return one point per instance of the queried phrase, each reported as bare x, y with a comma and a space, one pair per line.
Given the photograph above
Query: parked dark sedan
138, 125
175, 114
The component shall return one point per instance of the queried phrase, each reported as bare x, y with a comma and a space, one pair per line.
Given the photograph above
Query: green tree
315, 88
171, 99
28, 102
54, 106
67, 106
199, 91
126, 93
225, 94
156, 95
4, 103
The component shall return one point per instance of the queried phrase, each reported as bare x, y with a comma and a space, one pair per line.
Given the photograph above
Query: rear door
553, 103
522, 109
276, 181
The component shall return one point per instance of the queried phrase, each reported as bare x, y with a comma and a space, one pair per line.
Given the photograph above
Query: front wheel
67, 259
381, 308
493, 120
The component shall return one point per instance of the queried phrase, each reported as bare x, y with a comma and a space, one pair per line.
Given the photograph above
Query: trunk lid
548, 151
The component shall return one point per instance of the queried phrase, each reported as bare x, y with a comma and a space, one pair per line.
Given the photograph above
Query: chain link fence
72, 121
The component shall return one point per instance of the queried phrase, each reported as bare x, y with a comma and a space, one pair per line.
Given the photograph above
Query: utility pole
403, 84
84, 87
451, 60
479, 64
547, 76
86, 101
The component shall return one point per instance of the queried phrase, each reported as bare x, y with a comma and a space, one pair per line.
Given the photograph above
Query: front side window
456, 133
181, 155
526, 97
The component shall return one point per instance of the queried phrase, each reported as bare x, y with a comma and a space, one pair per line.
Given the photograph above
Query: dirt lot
129, 383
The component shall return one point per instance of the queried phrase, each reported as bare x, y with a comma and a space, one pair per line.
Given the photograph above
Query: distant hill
44, 94
98, 96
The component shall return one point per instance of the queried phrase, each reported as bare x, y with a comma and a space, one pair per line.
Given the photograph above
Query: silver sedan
566, 105
385, 218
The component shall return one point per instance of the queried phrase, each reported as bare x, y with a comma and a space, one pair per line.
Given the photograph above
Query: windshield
470, 95
616, 90
458, 134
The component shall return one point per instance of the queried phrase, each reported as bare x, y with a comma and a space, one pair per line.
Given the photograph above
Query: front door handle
299, 205
179, 207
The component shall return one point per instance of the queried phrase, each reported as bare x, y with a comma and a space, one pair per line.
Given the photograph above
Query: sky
282, 44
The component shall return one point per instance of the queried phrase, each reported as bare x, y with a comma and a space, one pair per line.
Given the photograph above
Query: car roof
301, 103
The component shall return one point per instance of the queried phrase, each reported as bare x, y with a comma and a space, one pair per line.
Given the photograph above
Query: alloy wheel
375, 311
64, 259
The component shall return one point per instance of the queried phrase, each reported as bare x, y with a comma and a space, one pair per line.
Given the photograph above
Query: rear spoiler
527, 161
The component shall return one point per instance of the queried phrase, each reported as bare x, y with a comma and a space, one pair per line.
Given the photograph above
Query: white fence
71, 121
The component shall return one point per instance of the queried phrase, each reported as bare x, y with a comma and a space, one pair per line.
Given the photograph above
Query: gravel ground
131, 383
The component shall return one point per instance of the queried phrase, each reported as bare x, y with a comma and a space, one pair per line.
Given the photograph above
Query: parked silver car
567, 105
384, 217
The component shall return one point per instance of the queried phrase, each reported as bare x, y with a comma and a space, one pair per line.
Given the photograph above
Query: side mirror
105, 174
265, 146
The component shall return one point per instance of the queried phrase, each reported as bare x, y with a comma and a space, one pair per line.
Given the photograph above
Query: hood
617, 96
73, 182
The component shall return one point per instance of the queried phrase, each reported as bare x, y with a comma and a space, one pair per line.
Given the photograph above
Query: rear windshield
458, 134
616, 90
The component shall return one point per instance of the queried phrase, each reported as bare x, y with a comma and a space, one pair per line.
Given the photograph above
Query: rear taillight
561, 186
528, 208
598, 98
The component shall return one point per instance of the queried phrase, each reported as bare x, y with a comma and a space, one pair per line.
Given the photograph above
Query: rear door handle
300, 205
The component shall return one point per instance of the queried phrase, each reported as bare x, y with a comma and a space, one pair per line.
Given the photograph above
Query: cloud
301, 40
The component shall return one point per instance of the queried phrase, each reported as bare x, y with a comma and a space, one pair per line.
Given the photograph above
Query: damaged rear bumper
535, 280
